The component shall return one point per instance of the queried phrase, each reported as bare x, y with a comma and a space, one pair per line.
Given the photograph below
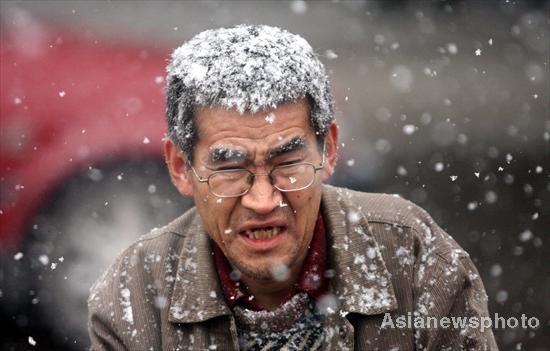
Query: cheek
300, 197
214, 211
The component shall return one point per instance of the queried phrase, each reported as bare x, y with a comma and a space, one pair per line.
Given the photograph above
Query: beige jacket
388, 257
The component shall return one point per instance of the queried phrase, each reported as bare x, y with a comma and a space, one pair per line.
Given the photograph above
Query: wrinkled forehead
226, 134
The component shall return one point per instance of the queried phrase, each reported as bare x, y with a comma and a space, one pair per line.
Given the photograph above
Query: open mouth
262, 233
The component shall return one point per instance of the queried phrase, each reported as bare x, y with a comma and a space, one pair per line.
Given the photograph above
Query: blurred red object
69, 102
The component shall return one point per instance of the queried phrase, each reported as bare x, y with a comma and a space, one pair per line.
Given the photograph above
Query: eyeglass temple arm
318, 168
199, 178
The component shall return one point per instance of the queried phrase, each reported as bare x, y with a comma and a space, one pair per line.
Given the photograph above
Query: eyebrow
294, 144
223, 154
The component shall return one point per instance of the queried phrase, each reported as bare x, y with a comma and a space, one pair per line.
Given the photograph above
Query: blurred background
443, 102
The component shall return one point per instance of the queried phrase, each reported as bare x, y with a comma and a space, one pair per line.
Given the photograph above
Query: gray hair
250, 68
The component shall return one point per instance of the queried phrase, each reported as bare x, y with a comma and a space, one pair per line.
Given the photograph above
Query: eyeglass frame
253, 176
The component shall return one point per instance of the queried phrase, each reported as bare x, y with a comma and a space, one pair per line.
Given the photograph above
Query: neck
270, 294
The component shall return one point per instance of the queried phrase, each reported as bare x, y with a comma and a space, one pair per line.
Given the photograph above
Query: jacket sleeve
102, 335
449, 292
101, 315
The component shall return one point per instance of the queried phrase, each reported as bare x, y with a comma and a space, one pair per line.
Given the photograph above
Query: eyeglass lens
238, 182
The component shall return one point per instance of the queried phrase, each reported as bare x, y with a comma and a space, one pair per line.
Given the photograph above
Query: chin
255, 272
266, 269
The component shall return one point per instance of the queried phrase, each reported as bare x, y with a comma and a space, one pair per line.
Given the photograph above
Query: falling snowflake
409, 129
32, 342
44, 259
478, 52
161, 301
299, 7
501, 296
526, 235
496, 270
331, 55
280, 272
491, 197
354, 217
452, 49
402, 171
453, 178
509, 158
61, 94
146, 140
18, 256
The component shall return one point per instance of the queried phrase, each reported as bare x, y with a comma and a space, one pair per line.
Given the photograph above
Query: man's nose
262, 197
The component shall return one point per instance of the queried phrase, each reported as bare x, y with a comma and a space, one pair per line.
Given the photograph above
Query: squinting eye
286, 163
228, 169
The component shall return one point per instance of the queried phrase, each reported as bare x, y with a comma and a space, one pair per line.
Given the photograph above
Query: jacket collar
197, 294
361, 280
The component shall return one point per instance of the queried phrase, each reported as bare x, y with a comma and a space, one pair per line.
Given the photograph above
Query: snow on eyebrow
250, 68
293, 144
222, 154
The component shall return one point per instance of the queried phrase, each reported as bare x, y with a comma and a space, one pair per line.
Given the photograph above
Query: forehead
227, 128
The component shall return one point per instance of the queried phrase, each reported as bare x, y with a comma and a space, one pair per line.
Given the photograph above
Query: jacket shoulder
377, 207
163, 243
137, 286
392, 219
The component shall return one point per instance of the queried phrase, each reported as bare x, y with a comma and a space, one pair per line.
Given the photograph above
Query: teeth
262, 234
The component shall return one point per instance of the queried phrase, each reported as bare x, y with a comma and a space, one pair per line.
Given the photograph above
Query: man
270, 258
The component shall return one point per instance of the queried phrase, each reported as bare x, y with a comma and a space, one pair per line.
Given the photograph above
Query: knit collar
312, 278
361, 281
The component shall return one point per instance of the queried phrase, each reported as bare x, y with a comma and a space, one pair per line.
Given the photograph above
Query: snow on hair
248, 67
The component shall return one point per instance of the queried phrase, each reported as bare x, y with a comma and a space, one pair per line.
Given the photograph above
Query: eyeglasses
237, 182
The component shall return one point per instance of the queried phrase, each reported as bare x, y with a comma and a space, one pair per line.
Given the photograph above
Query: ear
177, 167
331, 145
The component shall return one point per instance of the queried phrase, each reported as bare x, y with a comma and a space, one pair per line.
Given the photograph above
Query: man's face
265, 229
